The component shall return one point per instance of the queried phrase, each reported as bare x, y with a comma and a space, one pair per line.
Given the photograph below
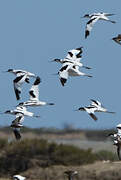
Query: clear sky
34, 32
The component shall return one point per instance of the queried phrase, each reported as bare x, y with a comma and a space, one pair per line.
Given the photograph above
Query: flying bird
74, 56
117, 39
69, 69
21, 77
94, 18
17, 82
21, 110
18, 177
19, 72
117, 140
95, 106
34, 96
16, 125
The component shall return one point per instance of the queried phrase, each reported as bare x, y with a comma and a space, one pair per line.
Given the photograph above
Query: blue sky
33, 32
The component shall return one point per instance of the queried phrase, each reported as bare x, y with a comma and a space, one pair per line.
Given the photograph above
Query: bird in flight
34, 96
21, 110
117, 140
95, 106
16, 125
21, 77
74, 56
69, 69
94, 18
117, 39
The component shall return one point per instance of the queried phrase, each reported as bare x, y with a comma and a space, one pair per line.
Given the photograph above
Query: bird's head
56, 60
86, 16
10, 70
7, 112
20, 104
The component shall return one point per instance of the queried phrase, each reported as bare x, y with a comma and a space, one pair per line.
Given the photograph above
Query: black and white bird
94, 18
21, 77
69, 69
117, 140
74, 56
95, 106
70, 174
21, 110
19, 72
18, 177
117, 39
34, 96
16, 125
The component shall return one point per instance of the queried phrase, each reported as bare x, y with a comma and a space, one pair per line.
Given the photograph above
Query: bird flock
70, 66
21, 109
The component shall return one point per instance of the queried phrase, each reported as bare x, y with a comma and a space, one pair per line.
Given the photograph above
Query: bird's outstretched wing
91, 110
16, 125
17, 134
34, 91
63, 73
119, 152
75, 54
17, 82
93, 116
90, 24
117, 39
95, 103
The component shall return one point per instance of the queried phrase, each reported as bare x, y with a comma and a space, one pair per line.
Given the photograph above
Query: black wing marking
63, 81
37, 81
63, 68
91, 20
70, 53
93, 116
16, 86
16, 178
86, 33
81, 109
17, 79
32, 94
79, 54
27, 80
94, 101
17, 93
17, 133
89, 26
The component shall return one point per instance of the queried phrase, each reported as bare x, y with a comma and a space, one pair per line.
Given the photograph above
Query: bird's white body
94, 107
20, 110
74, 56
34, 103
21, 77
93, 19
34, 96
18, 177
69, 69
19, 72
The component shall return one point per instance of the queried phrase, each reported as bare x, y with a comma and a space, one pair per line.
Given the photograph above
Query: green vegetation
16, 157
98, 135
